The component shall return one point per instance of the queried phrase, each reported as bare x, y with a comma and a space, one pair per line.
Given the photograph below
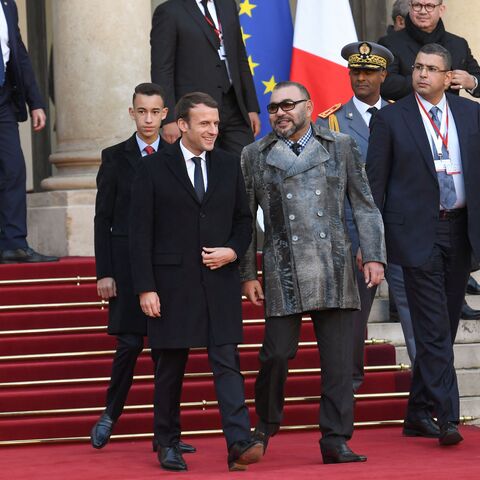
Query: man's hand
38, 119
254, 122
170, 132
462, 79
150, 304
373, 273
217, 257
252, 289
106, 288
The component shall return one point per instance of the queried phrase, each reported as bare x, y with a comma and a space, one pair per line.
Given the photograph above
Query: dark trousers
333, 329
435, 292
13, 197
229, 388
129, 347
234, 132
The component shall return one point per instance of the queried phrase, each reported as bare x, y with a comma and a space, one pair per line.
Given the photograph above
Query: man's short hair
289, 83
400, 7
191, 100
148, 89
436, 49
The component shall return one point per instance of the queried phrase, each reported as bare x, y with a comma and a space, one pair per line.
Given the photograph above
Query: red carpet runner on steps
55, 360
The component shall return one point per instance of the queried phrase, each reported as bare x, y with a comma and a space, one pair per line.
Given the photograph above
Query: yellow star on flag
245, 36
246, 8
252, 64
270, 85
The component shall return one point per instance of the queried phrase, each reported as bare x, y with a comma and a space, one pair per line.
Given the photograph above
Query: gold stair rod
30, 281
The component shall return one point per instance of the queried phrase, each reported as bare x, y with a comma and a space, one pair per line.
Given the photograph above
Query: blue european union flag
267, 30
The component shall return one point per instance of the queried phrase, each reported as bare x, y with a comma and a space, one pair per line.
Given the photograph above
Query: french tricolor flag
322, 28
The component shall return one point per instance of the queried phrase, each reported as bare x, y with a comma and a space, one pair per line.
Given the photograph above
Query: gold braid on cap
357, 60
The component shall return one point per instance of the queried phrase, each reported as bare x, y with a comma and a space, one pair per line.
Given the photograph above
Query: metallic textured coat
307, 258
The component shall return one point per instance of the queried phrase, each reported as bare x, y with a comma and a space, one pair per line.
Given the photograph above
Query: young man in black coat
190, 224
114, 281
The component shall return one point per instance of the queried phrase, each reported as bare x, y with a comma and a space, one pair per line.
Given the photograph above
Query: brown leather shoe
243, 453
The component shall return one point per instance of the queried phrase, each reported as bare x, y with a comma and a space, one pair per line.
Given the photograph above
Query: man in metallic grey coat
299, 175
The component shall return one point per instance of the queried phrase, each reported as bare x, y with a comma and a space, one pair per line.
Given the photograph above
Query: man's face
148, 111
366, 83
201, 130
430, 84
287, 124
426, 21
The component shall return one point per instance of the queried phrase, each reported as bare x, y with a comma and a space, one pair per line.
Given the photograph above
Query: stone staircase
467, 349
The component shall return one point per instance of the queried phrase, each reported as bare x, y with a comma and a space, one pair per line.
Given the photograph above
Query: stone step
468, 332
467, 355
470, 407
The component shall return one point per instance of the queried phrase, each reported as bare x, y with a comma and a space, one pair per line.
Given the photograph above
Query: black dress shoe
243, 453
170, 458
101, 431
449, 434
473, 287
25, 255
468, 313
184, 447
262, 437
339, 454
426, 427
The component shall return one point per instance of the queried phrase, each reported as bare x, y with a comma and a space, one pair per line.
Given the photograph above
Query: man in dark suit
17, 88
367, 63
424, 25
114, 281
196, 45
423, 168
190, 224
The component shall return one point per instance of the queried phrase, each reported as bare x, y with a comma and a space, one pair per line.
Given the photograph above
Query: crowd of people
370, 189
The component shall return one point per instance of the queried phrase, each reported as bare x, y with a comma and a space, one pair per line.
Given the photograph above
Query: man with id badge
424, 173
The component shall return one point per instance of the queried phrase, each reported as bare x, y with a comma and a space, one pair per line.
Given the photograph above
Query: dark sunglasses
285, 105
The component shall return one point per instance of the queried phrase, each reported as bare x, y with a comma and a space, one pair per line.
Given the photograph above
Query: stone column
101, 51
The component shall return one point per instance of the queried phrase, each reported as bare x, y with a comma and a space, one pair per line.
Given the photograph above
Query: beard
295, 125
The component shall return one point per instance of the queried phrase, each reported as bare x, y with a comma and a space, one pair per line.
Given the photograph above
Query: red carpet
290, 455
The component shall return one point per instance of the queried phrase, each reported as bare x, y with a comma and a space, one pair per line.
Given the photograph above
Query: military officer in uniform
367, 63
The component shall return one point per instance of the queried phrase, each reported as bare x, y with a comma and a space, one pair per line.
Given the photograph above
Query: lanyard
435, 132
218, 31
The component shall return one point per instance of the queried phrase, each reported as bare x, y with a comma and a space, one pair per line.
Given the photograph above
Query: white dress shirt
362, 108
453, 145
4, 37
142, 145
188, 155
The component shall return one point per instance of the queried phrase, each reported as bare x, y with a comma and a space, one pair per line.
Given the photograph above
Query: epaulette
330, 110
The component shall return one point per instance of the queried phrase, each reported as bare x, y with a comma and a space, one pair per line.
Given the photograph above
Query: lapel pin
350, 115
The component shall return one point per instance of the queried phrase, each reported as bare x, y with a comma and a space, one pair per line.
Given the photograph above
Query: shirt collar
428, 106
302, 141
142, 144
362, 107
188, 155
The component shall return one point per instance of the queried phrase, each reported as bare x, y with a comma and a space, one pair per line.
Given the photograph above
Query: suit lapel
7, 9
414, 123
461, 124
193, 10
132, 151
356, 121
214, 167
176, 163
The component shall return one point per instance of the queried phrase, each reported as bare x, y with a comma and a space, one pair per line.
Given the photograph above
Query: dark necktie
448, 195
2, 67
372, 111
149, 150
210, 21
296, 149
198, 182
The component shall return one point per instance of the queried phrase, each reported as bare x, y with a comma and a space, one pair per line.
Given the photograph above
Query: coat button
323, 235
320, 213
318, 192
294, 238
202, 215
291, 217
289, 196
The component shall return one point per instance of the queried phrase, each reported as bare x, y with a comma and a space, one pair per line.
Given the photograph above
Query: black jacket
405, 45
